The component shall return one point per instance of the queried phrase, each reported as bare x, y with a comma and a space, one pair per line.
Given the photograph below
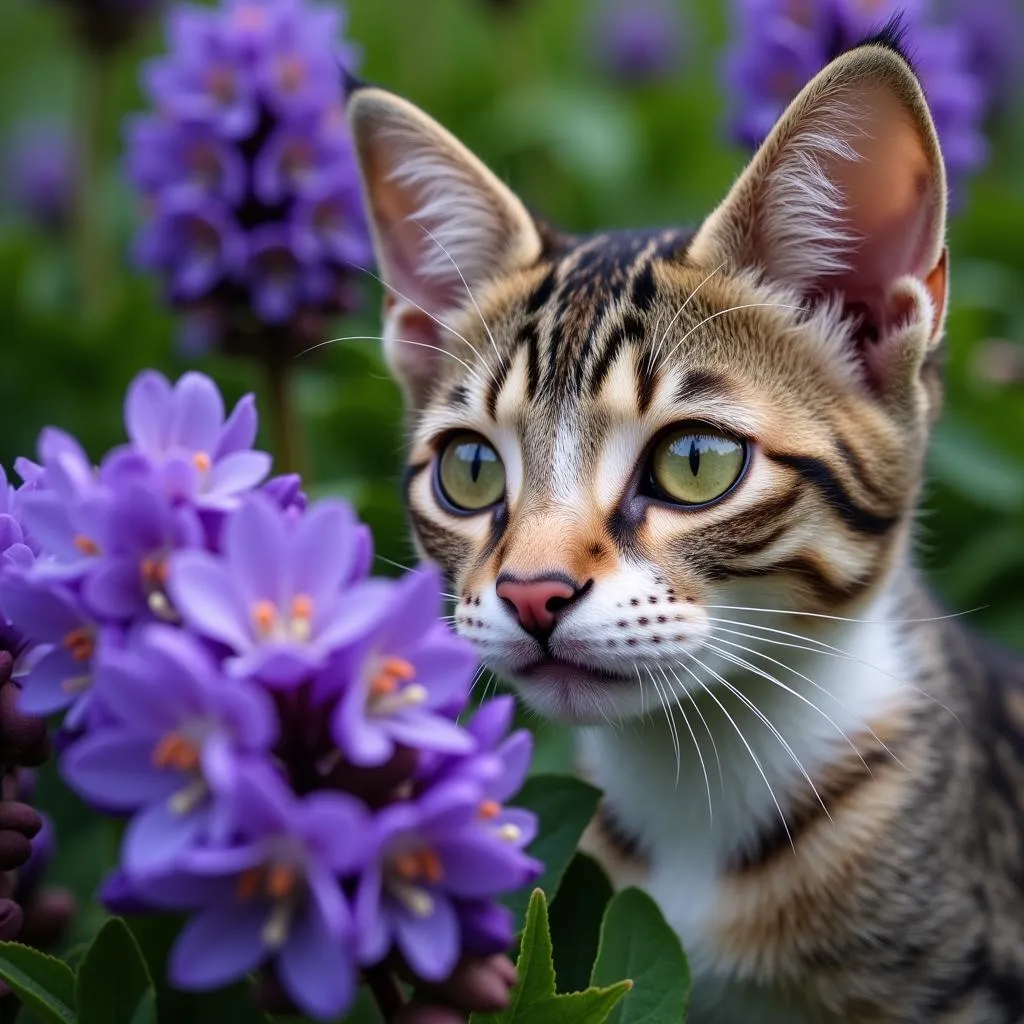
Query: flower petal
430, 944
316, 966
255, 545
515, 754
146, 412
479, 864
420, 728
208, 599
323, 552
197, 414
45, 613
158, 838
45, 689
239, 432
113, 590
237, 472
115, 769
219, 946
373, 934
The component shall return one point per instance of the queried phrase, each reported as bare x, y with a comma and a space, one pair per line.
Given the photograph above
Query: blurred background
176, 191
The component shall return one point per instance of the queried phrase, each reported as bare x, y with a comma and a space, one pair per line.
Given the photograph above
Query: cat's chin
571, 693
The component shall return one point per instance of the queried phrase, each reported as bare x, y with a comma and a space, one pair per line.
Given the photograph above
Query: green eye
470, 475
694, 466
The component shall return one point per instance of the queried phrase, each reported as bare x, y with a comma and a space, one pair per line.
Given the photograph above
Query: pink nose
537, 602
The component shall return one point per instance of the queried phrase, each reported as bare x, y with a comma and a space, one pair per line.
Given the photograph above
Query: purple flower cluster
278, 726
246, 166
781, 44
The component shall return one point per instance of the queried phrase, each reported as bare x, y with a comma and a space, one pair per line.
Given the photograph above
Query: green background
520, 87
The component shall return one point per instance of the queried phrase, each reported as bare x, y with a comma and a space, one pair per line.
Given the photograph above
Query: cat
672, 478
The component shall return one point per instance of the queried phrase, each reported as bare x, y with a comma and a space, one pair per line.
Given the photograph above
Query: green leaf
534, 999
114, 984
637, 943
42, 982
576, 916
564, 806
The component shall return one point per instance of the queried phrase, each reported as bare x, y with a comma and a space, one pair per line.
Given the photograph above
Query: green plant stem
94, 279
288, 443
386, 993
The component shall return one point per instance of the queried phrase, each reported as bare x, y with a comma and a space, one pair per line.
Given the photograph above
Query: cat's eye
695, 465
470, 474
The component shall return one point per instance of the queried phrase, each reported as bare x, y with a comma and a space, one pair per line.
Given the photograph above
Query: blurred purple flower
175, 748
638, 40
247, 168
40, 170
780, 45
275, 895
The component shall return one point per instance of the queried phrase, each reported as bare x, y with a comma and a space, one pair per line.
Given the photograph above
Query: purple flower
182, 430
638, 41
41, 171
993, 33
398, 683
176, 746
275, 895
248, 169
61, 673
432, 854
781, 44
276, 597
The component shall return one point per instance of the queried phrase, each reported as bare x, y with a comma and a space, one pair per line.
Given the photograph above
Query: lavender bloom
432, 854
41, 171
275, 598
275, 895
176, 747
401, 677
248, 168
781, 44
638, 41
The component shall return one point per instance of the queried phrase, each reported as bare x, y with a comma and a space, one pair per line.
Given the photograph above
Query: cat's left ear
848, 195
443, 225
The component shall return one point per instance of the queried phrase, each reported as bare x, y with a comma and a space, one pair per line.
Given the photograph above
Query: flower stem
385, 990
94, 280
280, 385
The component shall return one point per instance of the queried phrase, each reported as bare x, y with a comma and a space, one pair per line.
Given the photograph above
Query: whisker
739, 732
465, 284
731, 309
842, 618
673, 732
696, 745
425, 312
707, 728
656, 352
742, 697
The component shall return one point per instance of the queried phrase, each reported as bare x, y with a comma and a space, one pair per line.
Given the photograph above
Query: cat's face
618, 442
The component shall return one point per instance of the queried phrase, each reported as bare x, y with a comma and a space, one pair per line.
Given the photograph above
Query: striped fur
816, 776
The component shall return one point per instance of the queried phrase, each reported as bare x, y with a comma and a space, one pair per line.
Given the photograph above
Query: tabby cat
671, 477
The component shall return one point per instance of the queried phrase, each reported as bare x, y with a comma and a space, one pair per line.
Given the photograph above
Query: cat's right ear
442, 225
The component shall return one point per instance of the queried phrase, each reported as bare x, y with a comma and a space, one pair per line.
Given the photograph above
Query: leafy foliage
42, 982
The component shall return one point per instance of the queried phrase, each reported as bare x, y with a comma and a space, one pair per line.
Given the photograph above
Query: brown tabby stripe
700, 384
629, 330
809, 571
818, 475
838, 785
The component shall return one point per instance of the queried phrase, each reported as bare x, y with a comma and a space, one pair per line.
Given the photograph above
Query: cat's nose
537, 603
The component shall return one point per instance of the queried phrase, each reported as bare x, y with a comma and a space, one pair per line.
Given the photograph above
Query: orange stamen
202, 462
302, 606
175, 751
382, 685
86, 545
249, 883
154, 571
399, 668
430, 865
80, 643
264, 614
490, 809
281, 881
407, 865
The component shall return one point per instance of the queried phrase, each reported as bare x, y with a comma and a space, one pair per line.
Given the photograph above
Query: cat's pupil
694, 458
474, 466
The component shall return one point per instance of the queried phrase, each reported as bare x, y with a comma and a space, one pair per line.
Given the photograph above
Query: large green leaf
114, 984
638, 944
534, 1000
42, 982
564, 806
576, 916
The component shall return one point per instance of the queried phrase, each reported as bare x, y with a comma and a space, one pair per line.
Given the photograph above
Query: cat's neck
707, 772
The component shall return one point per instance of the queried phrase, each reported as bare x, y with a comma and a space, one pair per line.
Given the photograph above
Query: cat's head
614, 439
